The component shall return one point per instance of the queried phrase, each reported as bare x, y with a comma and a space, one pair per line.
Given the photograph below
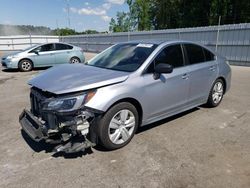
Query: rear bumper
32, 126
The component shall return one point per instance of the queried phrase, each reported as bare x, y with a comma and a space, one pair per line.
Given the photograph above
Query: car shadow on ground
154, 125
48, 148
17, 70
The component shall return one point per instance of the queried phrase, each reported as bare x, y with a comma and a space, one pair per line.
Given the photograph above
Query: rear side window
171, 55
63, 47
195, 53
208, 55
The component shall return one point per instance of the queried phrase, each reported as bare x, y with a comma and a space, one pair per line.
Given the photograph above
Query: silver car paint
184, 88
78, 77
43, 59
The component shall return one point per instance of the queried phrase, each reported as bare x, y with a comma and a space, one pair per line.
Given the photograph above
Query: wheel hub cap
217, 92
121, 126
26, 65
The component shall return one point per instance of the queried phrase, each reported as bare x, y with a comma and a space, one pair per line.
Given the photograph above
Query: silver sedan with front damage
128, 85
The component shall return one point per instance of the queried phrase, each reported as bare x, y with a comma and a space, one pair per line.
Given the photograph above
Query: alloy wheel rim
121, 126
74, 61
26, 65
217, 92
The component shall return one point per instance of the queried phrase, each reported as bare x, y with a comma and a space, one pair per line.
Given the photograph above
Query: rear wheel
25, 65
75, 60
216, 93
117, 127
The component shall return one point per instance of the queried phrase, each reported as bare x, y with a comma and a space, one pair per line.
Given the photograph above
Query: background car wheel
25, 65
117, 127
75, 60
216, 93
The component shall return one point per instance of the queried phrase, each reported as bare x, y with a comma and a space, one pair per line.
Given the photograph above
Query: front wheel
25, 65
216, 93
117, 127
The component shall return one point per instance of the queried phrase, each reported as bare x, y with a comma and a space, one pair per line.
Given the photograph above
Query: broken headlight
67, 104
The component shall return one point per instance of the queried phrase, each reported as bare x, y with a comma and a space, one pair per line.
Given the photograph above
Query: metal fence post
218, 32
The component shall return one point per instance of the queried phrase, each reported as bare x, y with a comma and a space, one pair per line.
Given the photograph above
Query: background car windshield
33, 46
123, 57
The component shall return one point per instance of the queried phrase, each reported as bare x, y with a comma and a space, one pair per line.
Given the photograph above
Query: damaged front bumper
72, 135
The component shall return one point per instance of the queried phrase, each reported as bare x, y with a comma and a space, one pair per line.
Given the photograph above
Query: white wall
19, 42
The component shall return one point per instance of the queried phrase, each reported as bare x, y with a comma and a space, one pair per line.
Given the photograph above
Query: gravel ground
200, 148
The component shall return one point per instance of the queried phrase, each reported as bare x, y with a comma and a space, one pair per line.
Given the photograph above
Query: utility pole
57, 27
68, 13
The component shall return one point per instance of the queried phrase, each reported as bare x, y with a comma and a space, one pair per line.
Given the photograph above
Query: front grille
37, 97
36, 100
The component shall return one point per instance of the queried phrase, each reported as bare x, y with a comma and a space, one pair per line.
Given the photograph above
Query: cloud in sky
100, 11
106, 18
118, 2
106, 6
89, 11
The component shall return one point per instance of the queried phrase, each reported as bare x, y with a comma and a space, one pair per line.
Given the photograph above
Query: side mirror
36, 52
162, 68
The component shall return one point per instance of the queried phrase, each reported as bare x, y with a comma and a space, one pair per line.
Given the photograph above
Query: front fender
105, 97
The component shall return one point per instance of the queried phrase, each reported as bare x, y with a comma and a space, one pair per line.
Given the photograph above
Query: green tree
121, 24
165, 14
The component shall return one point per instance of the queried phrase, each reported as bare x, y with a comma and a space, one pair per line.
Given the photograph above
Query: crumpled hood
76, 77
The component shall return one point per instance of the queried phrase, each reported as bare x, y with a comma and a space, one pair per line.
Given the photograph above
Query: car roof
160, 41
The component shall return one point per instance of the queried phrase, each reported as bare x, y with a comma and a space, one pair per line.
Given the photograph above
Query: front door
45, 55
168, 94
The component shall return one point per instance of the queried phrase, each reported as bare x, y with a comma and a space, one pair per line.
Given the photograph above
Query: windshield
123, 57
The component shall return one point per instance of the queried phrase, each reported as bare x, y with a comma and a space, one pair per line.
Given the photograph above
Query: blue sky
84, 14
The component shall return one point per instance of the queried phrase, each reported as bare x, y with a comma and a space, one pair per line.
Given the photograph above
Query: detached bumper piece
67, 142
74, 145
32, 126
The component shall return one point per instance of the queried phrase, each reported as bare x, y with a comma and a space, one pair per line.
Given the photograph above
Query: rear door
167, 95
203, 71
63, 53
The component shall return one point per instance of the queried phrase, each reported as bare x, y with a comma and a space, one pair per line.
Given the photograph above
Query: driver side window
171, 55
44, 48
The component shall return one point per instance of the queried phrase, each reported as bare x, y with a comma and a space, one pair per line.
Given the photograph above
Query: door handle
184, 76
212, 68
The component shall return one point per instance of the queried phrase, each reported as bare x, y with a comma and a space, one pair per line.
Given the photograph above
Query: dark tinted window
63, 47
171, 55
46, 47
208, 55
195, 53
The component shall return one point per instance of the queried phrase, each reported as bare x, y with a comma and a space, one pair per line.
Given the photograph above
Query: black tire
104, 129
211, 102
25, 65
75, 60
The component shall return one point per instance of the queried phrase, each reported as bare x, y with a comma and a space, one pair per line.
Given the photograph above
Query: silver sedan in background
43, 55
